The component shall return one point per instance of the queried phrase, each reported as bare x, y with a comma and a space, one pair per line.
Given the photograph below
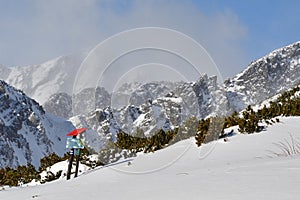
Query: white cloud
46, 29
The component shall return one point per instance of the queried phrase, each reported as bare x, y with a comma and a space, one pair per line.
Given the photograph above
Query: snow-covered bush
287, 147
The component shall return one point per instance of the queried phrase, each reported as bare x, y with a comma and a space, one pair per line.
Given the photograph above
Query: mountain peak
262, 79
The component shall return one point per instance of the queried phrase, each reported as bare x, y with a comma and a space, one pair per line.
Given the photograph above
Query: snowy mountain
90, 99
87, 100
161, 113
41, 81
155, 105
27, 133
264, 78
272, 74
149, 91
261, 80
104, 124
102, 128
211, 97
59, 104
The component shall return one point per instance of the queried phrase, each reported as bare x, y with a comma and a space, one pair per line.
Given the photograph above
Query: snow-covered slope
27, 133
246, 167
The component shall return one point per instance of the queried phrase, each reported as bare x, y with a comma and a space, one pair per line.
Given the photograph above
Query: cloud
41, 30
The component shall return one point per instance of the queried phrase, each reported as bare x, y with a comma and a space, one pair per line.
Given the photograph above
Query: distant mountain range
155, 105
41, 81
151, 106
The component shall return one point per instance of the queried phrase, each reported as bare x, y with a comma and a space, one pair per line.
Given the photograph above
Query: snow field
244, 167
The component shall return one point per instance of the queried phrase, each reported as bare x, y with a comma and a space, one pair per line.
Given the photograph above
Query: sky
233, 32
